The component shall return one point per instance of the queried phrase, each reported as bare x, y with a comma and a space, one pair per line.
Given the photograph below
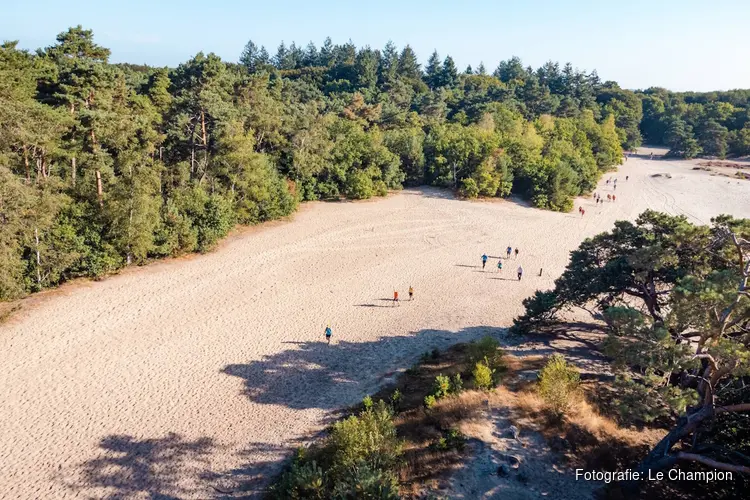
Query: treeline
692, 124
103, 165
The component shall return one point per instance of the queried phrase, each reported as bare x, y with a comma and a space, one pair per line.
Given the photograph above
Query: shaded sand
200, 373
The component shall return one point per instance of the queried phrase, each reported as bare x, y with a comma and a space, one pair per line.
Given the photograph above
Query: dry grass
584, 436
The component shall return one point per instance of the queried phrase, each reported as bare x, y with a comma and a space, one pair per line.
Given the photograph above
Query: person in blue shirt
507, 252
499, 265
329, 332
484, 260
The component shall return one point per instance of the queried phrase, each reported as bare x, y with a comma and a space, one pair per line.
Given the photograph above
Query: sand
186, 375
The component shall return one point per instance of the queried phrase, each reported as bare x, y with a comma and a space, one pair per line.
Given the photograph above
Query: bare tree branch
713, 463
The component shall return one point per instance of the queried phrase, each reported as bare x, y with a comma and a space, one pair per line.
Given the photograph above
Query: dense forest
691, 124
103, 165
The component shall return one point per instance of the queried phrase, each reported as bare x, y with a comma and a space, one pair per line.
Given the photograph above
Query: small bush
358, 460
558, 384
483, 376
429, 401
486, 349
451, 440
367, 483
302, 480
442, 386
469, 188
367, 402
396, 398
456, 439
435, 354
457, 385
369, 438
380, 188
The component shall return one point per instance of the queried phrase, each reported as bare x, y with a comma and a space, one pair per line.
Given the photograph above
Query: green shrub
359, 185
357, 460
429, 401
367, 483
483, 376
451, 440
214, 222
457, 385
456, 439
302, 480
367, 402
486, 349
558, 384
368, 439
469, 188
380, 188
396, 398
442, 386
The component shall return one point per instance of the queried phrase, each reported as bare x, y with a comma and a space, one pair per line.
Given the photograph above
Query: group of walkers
395, 296
508, 252
610, 197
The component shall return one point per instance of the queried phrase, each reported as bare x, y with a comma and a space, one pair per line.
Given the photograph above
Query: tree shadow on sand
317, 375
156, 468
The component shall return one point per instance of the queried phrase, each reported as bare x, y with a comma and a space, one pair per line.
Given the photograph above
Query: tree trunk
99, 191
38, 259
73, 170
26, 164
44, 166
659, 458
203, 129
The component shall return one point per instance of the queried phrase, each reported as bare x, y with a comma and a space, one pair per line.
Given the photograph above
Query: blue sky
678, 44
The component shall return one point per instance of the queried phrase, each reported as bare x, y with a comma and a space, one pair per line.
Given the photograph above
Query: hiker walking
609, 197
627, 177
411, 292
395, 298
516, 252
614, 197
520, 273
329, 332
499, 265
484, 260
507, 252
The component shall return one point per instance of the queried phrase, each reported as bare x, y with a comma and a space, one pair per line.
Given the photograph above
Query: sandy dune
202, 371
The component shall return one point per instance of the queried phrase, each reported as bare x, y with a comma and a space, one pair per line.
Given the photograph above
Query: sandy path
156, 381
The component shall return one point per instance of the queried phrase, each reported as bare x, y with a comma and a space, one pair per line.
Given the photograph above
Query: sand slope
175, 377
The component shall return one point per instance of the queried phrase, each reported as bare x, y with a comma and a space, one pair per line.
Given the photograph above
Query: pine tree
249, 56
408, 66
433, 71
449, 73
